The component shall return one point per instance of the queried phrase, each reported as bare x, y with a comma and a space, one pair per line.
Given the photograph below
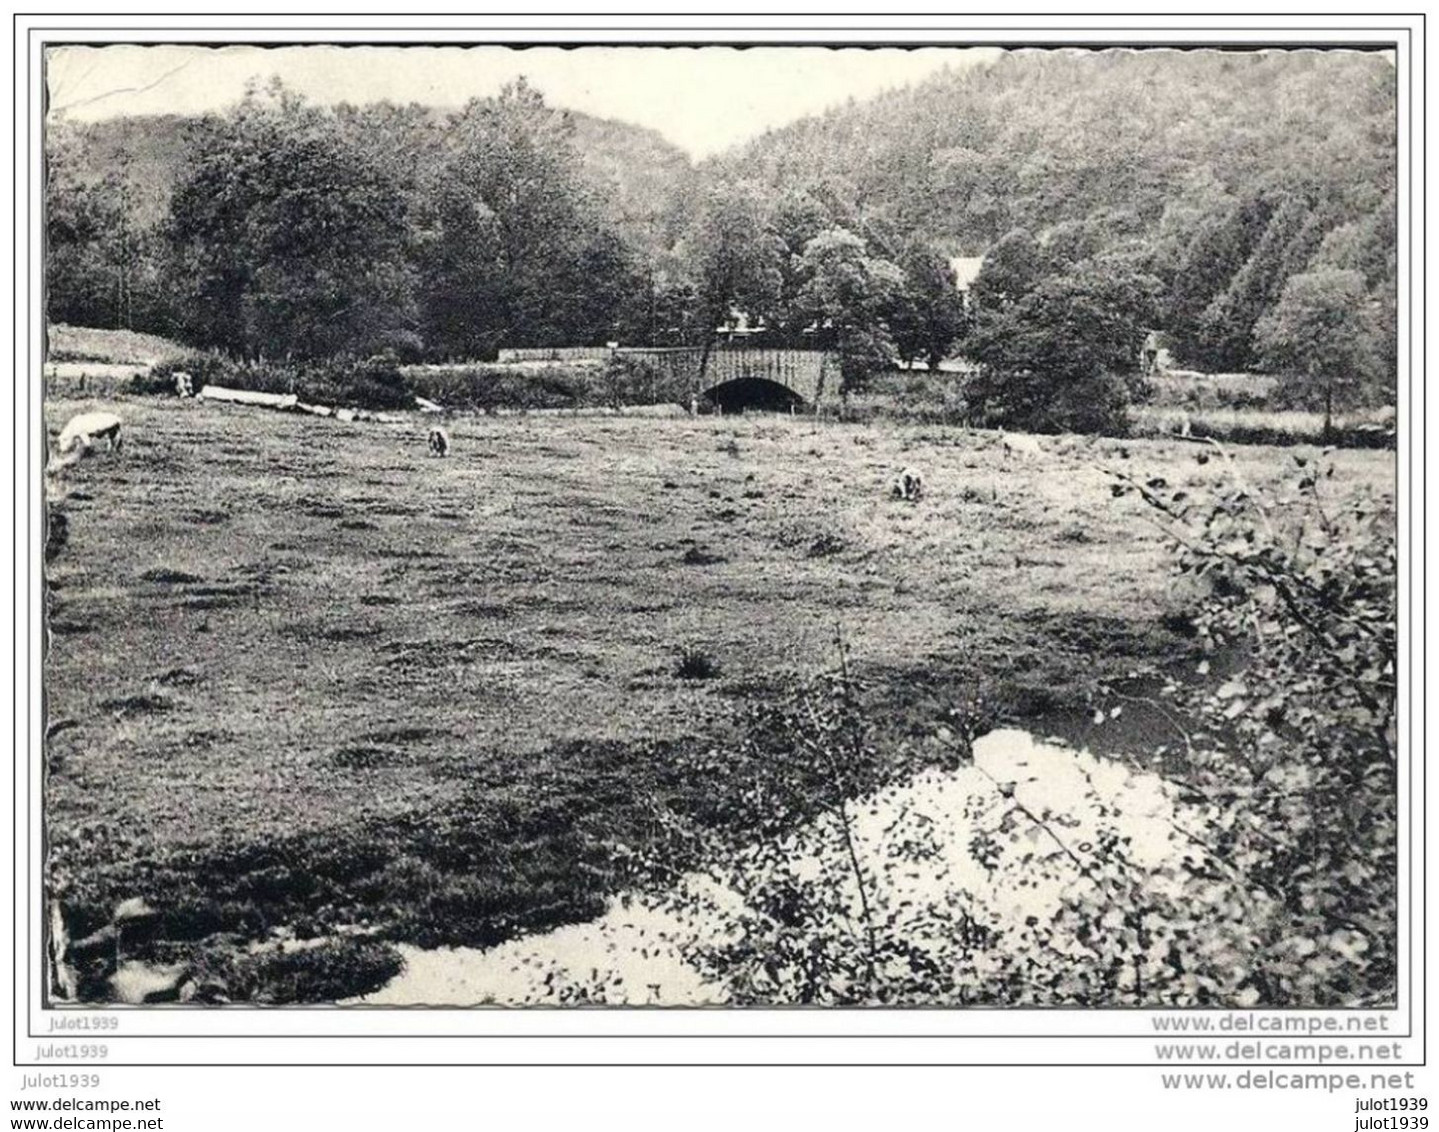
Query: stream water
1055, 802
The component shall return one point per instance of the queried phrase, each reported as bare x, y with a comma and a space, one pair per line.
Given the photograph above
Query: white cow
908, 485
83, 433
1019, 445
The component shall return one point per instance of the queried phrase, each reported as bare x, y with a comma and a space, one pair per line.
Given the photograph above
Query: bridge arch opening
753, 394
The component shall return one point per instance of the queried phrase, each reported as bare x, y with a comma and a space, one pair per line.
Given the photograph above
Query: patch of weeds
62, 627
698, 556
237, 589
485, 610
418, 656
1180, 623
407, 735
147, 703
357, 525
696, 664
379, 599
179, 678
206, 738
332, 633
208, 518
223, 597
213, 601
826, 546
170, 577
325, 972
406, 552
363, 756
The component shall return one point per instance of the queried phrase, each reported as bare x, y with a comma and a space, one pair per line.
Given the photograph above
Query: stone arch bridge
746, 377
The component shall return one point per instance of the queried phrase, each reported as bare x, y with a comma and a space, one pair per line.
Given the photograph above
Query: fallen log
248, 397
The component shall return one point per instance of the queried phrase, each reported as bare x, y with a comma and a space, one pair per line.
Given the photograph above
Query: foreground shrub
1296, 753
696, 664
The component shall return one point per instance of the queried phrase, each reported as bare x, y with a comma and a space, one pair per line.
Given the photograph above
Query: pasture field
304, 677
114, 347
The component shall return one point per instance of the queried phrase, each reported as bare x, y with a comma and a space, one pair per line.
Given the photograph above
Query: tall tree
1225, 331
514, 249
1319, 337
291, 241
1056, 359
103, 260
929, 315
739, 259
1012, 269
850, 295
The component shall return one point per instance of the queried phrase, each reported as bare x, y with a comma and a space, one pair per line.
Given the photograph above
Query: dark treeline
1239, 202
294, 230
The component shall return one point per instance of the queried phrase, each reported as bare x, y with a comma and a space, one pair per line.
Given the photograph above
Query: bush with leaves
1060, 357
805, 915
1295, 754
628, 380
851, 295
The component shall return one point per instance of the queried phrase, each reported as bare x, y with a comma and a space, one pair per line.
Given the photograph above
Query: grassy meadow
304, 677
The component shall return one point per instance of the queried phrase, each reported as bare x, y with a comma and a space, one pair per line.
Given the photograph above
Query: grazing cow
439, 442
1019, 445
908, 485
83, 433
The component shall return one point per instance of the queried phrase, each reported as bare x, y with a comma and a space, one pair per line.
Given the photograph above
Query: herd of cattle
87, 431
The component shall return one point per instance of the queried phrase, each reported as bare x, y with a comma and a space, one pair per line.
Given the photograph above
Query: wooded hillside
1214, 179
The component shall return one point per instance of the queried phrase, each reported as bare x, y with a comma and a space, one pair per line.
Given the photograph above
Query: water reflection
1059, 803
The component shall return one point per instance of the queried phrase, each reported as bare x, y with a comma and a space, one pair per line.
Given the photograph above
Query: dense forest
1239, 202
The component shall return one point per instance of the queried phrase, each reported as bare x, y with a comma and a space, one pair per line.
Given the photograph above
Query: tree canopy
1055, 358
282, 226
287, 239
1319, 337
